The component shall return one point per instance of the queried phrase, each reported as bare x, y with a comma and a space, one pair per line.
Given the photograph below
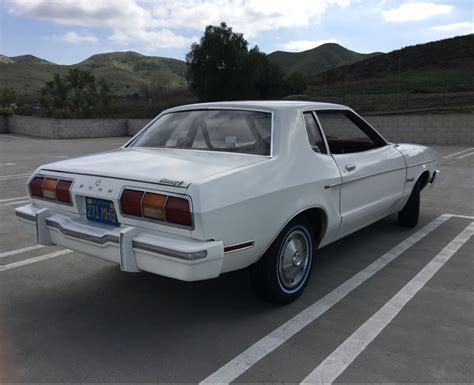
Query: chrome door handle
350, 167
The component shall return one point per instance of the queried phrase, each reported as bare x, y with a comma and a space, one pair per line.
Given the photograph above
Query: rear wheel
408, 216
282, 273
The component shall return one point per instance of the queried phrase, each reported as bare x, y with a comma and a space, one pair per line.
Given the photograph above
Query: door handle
350, 167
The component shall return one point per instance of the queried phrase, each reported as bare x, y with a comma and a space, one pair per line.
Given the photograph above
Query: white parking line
7, 164
459, 152
13, 203
465, 155
12, 199
7, 177
34, 260
349, 350
245, 360
19, 251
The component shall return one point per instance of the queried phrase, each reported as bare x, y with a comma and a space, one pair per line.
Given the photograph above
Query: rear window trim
272, 130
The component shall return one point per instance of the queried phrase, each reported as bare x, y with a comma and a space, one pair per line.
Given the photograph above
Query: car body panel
236, 199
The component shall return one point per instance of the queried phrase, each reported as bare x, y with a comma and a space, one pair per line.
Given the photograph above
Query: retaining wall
3, 124
426, 129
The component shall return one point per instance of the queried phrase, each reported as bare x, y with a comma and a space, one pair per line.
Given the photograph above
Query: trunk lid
177, 168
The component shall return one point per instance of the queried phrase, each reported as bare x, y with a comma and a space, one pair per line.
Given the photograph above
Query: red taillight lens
177, 211
35, 187
130, 202
63, 189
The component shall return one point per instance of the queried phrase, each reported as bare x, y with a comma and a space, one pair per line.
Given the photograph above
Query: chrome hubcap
294, 258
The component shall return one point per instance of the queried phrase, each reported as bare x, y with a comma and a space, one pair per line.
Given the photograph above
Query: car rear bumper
131, 247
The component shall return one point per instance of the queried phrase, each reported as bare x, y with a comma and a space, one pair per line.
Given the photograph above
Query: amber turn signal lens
49, 188
153, 206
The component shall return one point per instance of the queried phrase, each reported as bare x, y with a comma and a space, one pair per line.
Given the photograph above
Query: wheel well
318, 219
423, 179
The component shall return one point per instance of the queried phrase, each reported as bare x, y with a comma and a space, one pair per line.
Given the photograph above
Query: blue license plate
102, 211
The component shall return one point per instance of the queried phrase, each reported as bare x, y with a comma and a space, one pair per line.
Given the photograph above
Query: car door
373, 171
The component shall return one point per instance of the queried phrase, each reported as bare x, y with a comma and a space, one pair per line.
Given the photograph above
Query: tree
75, 95
8, 97
221, 67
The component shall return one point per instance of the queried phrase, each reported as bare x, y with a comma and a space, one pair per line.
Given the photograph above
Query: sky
69, 31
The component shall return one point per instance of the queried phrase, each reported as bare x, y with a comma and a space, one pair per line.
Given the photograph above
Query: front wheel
282, 273
408, 216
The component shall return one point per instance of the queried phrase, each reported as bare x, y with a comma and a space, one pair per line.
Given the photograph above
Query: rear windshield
247, 132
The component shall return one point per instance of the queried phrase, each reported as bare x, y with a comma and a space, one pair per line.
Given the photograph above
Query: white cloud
75, 38
456, 27
157, 23
303, 45
416, 11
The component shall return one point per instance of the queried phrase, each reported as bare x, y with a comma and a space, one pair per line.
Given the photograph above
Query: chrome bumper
131, 247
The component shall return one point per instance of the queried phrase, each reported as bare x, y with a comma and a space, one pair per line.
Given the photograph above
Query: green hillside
440, 66
126, 72
316, 60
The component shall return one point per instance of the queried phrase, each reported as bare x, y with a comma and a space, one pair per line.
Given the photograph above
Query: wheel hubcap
294, 258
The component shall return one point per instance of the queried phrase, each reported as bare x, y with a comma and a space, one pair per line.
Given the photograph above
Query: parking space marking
245, 360
19, 251
457, 153
340, 359
7, 177
34, 260
465, 155
7, 164
14, 203
12, 199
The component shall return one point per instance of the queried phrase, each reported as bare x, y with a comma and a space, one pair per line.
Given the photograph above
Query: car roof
270, 105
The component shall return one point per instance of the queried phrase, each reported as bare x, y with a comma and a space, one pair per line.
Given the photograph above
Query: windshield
247, 132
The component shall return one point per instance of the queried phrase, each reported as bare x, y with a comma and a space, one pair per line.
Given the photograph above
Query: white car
210, 188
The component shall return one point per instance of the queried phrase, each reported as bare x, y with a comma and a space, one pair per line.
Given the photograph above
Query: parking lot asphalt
386, 304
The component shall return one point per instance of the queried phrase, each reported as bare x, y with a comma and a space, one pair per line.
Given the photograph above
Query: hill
316, 60
126, 72
440, 66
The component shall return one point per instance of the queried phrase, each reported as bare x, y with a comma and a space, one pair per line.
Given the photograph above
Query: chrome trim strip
184, 185
170, 253
420, 163
27, 217
198, 107
85, 237
235, 247
362, 177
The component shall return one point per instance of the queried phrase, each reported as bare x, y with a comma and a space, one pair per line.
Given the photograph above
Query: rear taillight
35, 187
156, 206
63, 191
131, 202
54, 189
177, 211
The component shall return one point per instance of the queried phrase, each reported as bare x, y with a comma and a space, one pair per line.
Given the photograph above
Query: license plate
101, 210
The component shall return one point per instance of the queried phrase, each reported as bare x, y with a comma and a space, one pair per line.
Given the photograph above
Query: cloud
75, 38
456, 27
416, 12
159, 23
303, 45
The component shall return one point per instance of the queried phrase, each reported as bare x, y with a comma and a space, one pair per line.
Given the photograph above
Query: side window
346, 132
314, 134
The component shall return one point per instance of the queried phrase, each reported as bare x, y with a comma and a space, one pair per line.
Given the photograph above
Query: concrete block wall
426, 129
135, 125
3, 124
66, 128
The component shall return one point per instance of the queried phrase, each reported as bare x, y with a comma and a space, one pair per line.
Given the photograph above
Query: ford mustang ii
210, 188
